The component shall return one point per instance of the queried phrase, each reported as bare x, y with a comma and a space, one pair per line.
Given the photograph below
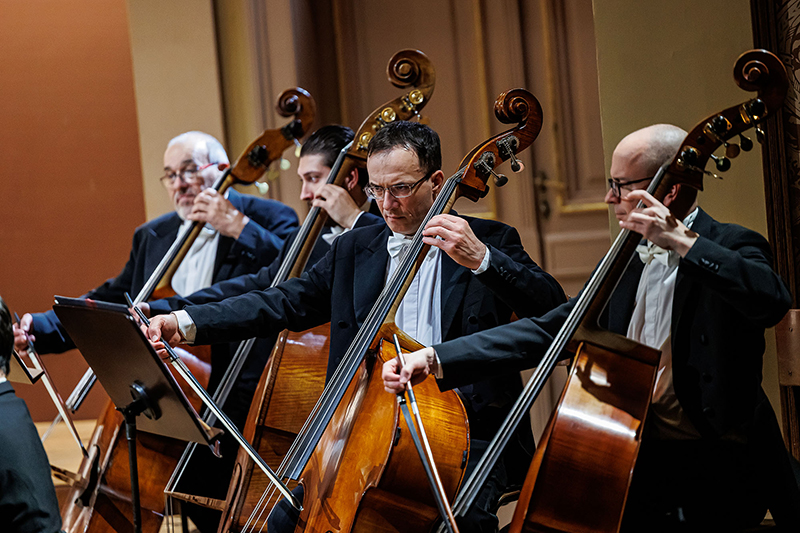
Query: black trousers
694, 485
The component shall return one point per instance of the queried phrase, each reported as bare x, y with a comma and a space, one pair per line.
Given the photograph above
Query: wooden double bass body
99, 500
581, 472
294, 376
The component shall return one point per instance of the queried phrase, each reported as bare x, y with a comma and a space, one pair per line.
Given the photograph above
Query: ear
437, 179
672, 195
351, 180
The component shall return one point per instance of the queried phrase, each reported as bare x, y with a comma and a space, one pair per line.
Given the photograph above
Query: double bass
294, 376
581, 472
99, 499
354, 458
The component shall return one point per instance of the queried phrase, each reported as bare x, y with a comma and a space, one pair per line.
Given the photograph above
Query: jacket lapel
623, 299
159, 241
701, 226
454, 283
223, 249
369, 273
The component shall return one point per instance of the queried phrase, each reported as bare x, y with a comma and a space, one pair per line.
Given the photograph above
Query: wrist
240, 221
685, 242
352, 218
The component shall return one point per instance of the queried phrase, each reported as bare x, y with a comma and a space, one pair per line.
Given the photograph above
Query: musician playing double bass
242, 234
474, 277
712, 457
344, 207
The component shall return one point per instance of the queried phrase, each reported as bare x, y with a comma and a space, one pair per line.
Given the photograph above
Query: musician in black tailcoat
712, 456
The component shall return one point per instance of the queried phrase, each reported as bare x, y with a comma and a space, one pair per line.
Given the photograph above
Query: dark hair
413, 136
6, 336
328, 141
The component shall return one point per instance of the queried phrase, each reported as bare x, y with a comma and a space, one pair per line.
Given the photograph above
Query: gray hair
204, 144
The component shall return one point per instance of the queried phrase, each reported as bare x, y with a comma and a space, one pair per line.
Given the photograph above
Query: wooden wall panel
72, 190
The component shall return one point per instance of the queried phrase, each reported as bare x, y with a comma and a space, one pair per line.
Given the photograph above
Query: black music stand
134, 376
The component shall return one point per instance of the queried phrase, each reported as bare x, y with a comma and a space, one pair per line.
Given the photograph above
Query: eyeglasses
189, 175
401, 190
615, 185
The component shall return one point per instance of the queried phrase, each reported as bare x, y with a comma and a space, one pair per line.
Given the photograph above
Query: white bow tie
397, 244
648, 252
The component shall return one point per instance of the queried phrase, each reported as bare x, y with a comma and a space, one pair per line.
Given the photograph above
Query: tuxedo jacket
343, 287
28, 501
726, 294
239, 402
259, 244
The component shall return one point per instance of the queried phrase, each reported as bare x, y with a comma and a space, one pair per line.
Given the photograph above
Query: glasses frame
617, 186
369, 189
169, 181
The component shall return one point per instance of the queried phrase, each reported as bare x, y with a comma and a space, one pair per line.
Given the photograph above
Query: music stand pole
138, 406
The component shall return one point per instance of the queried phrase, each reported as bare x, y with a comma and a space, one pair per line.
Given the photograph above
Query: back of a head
205, 146
413, 136
6, 336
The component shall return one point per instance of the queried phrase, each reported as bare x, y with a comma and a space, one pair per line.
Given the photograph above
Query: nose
611, 198
306, 194
388, 201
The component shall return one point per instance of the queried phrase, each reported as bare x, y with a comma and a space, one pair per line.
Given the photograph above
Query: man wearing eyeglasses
242, 234
475, 276
712, 457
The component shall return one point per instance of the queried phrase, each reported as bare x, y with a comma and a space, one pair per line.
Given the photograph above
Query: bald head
645, 150
638, 157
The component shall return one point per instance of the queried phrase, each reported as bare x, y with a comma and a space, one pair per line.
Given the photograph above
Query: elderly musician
475, 276
242, 234
346, 207
712, 457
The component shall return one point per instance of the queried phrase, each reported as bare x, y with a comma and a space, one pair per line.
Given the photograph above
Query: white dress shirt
196, 271
651, 324
420, 312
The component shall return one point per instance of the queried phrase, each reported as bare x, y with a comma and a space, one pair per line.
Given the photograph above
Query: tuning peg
516, 166
732, 150
485, 166
258, 156
756, 109
297, 147
263, 188
745, 143
759, 135
499, 179
723, 163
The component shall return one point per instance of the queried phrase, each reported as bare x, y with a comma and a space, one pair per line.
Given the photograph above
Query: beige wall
673, 62
176, 79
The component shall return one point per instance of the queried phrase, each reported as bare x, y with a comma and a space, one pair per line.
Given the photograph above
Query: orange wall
69, 153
